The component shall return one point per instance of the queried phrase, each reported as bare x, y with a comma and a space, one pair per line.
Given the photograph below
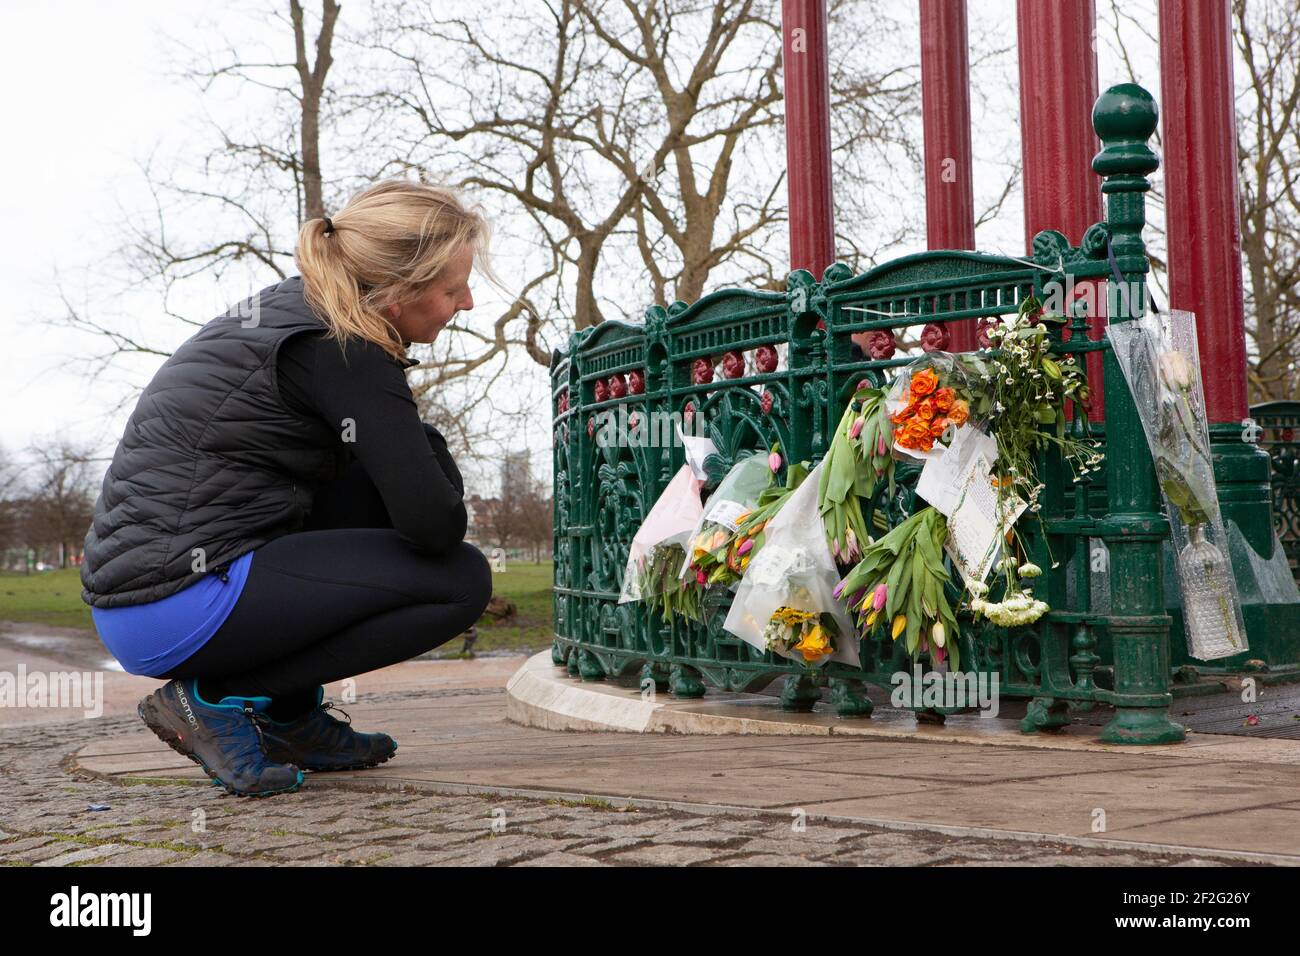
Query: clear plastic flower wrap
786, 601
1159, 358
928, 400
667, 525
736, 495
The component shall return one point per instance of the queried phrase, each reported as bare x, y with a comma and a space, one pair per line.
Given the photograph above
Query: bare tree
1268, 169
61, 497
10, 503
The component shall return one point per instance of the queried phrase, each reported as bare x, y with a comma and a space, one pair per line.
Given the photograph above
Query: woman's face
422, 318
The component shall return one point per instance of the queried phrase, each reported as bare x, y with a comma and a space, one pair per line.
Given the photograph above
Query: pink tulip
878, 598
747, 547
701, 577
880, 446
774, 461
856, 428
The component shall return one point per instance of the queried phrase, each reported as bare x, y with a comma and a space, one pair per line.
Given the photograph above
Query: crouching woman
276, 515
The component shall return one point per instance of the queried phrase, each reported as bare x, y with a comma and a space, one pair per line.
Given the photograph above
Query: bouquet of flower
1022, 398
785, 601
1018, 606
1023, 394
669, 521
663, 586
1159, 358
710, 543
857, 460
751, 526
929, 400
899, 584
809, 635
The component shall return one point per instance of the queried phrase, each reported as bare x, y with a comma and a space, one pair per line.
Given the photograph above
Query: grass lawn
54, 598
44, 597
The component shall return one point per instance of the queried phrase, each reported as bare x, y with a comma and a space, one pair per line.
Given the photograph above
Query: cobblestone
45, 820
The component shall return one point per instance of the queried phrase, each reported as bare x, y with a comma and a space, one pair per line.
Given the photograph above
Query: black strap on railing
1123, 286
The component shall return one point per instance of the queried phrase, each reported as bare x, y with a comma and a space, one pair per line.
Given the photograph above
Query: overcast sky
85, 100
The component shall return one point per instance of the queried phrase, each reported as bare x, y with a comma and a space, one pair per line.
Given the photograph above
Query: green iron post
1134, 528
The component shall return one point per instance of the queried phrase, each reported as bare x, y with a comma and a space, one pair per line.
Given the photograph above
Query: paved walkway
469, 787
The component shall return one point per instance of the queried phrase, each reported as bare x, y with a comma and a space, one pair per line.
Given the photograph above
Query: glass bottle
1212, 628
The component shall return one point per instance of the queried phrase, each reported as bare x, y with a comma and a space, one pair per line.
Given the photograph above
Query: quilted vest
212, 463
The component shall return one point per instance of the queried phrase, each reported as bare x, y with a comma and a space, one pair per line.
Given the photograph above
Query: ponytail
387, 243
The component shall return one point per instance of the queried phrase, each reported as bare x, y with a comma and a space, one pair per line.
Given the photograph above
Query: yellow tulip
936, 634
900, 625
871, 618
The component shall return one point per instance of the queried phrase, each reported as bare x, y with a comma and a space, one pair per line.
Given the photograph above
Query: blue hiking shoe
317, 740
224, 738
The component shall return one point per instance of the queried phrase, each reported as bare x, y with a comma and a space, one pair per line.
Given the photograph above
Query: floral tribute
932, 405
806, 634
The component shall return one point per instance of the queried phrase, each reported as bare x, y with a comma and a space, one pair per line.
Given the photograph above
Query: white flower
1029, 570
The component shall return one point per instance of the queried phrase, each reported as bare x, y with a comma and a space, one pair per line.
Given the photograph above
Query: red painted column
945, 110
1058, 88
1201, 211
808, 135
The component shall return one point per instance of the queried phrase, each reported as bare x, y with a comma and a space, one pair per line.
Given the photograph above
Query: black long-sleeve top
416, 477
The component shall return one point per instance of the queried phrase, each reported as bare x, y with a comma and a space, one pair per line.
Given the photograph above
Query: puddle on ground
80, 652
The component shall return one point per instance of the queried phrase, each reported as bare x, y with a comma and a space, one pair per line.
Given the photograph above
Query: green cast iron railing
1278, 433
758, 368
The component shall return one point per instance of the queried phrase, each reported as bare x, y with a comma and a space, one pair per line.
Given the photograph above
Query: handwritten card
941, 478
977, 525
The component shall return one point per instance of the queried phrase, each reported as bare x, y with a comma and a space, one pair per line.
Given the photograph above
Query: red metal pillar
945, 110
1058, 87
808, 135
1201, 210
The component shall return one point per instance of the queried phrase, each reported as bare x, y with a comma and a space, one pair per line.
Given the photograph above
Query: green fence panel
761, 367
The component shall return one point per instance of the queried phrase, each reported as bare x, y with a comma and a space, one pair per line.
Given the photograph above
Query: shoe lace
257, 720
330, 705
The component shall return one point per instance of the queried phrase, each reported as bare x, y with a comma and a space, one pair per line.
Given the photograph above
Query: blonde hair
386, 244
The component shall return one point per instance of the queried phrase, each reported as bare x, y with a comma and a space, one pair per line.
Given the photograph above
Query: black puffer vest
212, 463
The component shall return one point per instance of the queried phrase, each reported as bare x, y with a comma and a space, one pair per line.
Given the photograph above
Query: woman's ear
395, 311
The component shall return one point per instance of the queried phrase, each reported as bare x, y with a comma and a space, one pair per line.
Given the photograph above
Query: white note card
941, 477
975, 527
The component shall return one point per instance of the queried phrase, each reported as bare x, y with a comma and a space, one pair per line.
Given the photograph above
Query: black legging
342, 597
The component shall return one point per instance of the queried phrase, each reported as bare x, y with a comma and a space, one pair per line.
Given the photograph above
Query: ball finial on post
1124, 117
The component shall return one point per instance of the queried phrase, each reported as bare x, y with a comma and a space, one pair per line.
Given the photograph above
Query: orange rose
916, 434
943, 399
924, 382
960, 412
938, 427
925, 410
